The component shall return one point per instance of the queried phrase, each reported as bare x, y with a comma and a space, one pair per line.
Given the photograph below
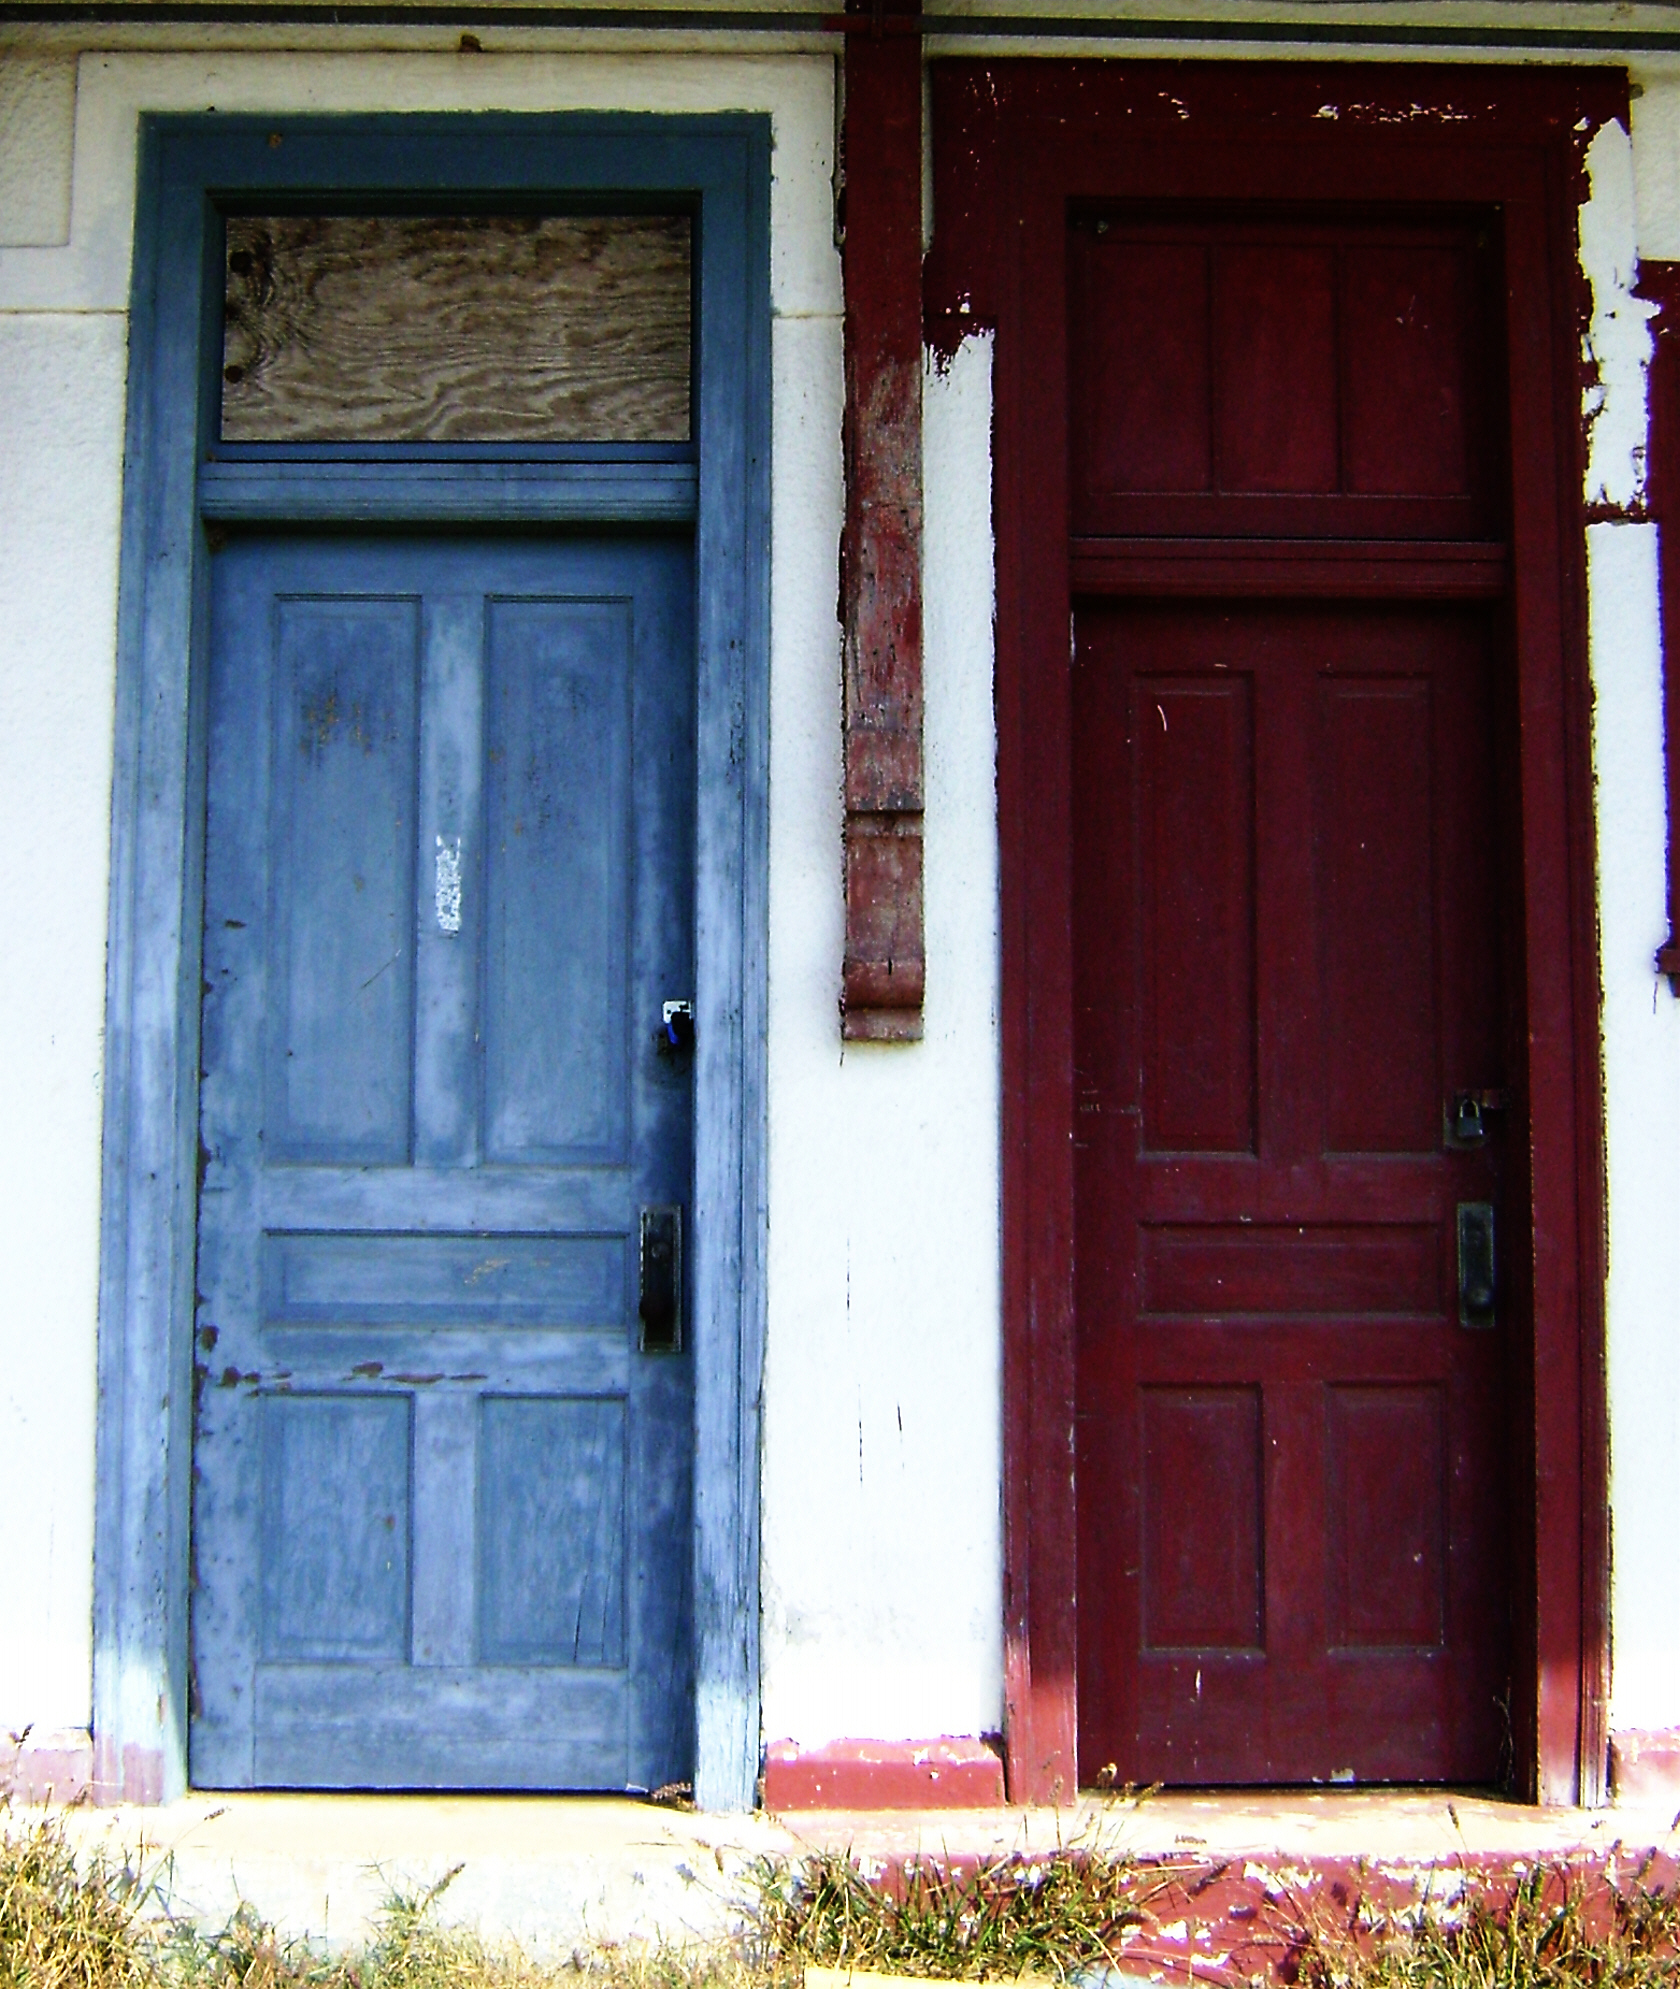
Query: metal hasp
1467, 1116
660, 1305
1476, 1269
881, 553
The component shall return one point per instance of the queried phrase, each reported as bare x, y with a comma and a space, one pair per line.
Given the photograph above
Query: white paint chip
448, 890
1618, 342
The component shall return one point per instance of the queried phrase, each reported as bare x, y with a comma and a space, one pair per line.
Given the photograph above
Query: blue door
444, 1423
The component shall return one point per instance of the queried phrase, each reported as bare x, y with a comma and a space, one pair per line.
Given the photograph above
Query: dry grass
64, 1925
1554, 1932
69, 1922
90, 1923
1054, 1915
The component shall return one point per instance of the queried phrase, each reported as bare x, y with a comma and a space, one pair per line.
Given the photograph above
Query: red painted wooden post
881, 554
1660, 281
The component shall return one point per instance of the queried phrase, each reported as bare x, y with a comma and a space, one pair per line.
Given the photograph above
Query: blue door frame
176, 483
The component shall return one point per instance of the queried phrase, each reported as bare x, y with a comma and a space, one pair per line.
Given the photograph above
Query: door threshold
1407, 1825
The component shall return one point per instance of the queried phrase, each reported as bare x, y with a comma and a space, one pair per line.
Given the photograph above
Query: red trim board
883, 1774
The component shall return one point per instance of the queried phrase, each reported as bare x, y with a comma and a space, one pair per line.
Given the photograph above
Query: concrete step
560, 1873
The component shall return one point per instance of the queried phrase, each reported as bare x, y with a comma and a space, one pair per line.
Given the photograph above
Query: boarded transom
457, 328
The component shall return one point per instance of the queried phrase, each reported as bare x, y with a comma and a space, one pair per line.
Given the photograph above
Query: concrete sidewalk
556, 1873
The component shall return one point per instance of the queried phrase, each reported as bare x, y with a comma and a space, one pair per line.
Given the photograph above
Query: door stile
1563, 1165
1034, 719
449, 815
448, 883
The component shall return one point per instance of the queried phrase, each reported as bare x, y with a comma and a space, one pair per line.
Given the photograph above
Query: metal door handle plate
1477, 1280
660, 1305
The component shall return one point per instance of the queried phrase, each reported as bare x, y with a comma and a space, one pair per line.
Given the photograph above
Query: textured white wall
1641, 1016
61, 387
882, 1555
37, 108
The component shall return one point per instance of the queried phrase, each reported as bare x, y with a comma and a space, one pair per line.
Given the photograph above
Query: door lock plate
660, 1306
1477, 1283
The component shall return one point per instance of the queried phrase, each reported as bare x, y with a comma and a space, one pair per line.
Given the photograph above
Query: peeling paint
448, 887
1616, 348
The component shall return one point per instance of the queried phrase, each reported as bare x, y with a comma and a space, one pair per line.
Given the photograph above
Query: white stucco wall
1641, 1015
61, 391
882, 1536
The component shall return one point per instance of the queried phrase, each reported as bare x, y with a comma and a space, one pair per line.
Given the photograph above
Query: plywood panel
457, 328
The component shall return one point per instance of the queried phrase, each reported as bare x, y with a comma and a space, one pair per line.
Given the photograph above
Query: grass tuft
1552, 1932
1052, 1915
65, 1925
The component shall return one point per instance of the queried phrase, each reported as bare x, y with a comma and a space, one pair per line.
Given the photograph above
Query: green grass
84, 1921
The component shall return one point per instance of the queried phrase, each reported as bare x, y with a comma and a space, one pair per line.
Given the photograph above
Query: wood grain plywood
457, 328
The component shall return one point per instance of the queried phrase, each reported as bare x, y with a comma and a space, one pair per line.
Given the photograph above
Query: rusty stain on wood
457, 328
885, 965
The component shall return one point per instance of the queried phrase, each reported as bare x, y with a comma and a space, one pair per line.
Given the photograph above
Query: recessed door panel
557, 883
442, 1513
341, 953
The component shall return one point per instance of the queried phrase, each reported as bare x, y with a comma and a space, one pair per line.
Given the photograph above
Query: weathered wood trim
473, 493
881, 553
721, 164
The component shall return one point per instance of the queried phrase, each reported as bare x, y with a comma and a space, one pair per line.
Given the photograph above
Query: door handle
1477, 1283
676, 1028
660, 1304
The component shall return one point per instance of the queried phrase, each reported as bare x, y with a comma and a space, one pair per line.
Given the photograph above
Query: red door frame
1014, 141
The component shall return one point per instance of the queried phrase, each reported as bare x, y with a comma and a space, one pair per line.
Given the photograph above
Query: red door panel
1291, 1552
1297, 377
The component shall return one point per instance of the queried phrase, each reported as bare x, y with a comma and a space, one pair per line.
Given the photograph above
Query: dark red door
1289, 1064
1291, 1562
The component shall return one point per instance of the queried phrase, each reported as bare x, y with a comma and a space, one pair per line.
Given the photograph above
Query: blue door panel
343, 802
404, 1727
443, 1504
334, 1540
381, 1278
557, 888
551, 1530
